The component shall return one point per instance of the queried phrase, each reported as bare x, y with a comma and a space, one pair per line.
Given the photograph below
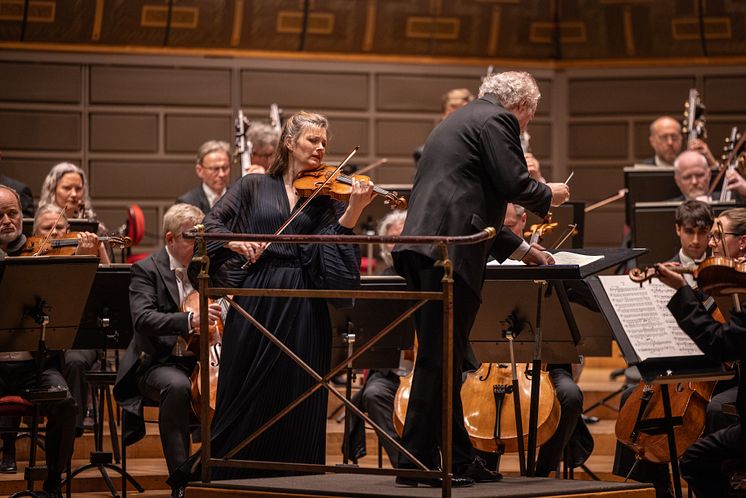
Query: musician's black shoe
8, 465
477, 471
434, 482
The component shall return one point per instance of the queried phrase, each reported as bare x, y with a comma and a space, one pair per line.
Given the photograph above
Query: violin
191, 303
66, 245
716, 276
340, 186
538, 231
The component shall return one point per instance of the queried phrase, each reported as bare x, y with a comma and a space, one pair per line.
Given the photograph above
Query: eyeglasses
717, 237
215, 169
669, 137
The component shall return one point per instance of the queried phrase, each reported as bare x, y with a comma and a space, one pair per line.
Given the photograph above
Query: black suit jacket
157, 321
471, 167
27, 199
718, 341
195, 197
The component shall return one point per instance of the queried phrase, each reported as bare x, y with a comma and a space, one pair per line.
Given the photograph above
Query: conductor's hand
537, 256
668, 277
252, 250
214, 314
560, 193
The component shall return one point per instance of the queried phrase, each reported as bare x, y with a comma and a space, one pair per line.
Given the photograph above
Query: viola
340, 186
716, 276
66, 245
191, 303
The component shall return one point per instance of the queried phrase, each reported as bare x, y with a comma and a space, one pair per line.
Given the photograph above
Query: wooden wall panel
139, 179
641, 136
541, 139
345, 134
160, 86
311, 91
725, 94
185, 133
30, 171
598, 141
400, 138
627, 95
420, 93
124, 132
593, 182
39, 130
51, 83
114, 217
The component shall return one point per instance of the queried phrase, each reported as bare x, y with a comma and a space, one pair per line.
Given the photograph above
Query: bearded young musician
702, 463
152, 368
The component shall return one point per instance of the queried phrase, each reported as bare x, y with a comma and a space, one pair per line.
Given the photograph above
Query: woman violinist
701, 464
257, 380
50, 224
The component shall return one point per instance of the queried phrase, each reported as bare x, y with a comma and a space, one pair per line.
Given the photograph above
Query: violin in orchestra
339, 186
66, 245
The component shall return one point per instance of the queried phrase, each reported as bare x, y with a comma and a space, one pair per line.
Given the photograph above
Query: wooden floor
145, 459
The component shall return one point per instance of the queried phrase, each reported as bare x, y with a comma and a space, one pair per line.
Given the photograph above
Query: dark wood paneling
642, 147
597, 141
418, 93
185, 133
30, 171
160, 86
53, 83
396, 172
629, 96
345, 134
604, 228
137, 179
725, 94
124, 132
39, 130
400, 138
304, 90
541, 139
593, 183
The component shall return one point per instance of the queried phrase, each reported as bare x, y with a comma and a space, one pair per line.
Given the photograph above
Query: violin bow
308, 200
619, 195
49, 234
571, 230
372, 166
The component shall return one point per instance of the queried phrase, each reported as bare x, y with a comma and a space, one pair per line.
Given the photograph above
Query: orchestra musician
471, 166
692, 176
152, 367
666, 140
263, 139
66, 186
693, 222
453, 99
257, 379
18, 369
213, 168
702, 463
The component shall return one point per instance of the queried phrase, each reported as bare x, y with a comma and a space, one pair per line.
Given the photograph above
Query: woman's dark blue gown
256, 379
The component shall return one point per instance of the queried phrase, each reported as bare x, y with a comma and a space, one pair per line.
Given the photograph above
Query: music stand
528, 294
353, 327
675, 359
36, 314
106, 324
74, 225
569, 213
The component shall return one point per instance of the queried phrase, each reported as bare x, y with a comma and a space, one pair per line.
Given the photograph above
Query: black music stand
37, 314
353, 327
533, 296
74, 225
106, 324
658, 368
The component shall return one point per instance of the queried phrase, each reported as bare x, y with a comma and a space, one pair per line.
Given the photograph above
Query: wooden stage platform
368, 486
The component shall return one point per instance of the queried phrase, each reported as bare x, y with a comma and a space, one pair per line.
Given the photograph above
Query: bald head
10, 216
692, 174
665, 138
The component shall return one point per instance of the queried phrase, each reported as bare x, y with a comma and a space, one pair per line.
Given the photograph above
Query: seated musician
213, 168
263, 139
377, 395
692, 176
153, 367
571, 425
702, 463
666, 140
18, 369
693, 221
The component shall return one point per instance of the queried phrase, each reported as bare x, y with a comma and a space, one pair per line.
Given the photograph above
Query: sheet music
560, 258
649, 325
